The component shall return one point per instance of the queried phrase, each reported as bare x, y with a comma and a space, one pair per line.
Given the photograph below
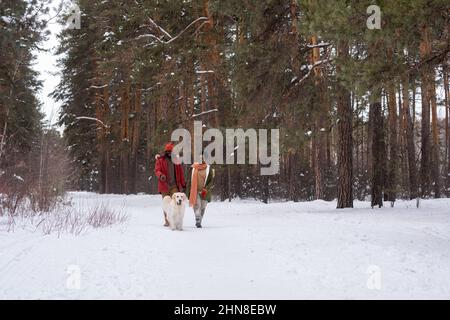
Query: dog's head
179, 198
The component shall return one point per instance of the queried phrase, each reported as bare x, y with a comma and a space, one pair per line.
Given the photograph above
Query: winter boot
198, 222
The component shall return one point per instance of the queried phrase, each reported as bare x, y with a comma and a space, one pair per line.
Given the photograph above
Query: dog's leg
166, 221
171, 219
173, 222
179, 222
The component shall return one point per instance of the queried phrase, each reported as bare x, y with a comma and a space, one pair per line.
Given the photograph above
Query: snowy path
246, 250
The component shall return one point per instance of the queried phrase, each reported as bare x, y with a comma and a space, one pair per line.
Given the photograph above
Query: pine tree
134, 73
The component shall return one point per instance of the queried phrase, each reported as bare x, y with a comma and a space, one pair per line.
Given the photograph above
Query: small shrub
102, 216
64, 218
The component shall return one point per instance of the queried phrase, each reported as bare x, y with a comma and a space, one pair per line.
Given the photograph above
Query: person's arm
188, 184
158, 169
206, 191
210, 180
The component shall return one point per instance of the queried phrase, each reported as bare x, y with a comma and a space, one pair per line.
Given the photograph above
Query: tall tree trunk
435, 163
447, 125
3, 139
265, 189
413, 115
229, 187
318, 140
425, 168
369, 147
293, 176
318, 160
135, 138
345, 141
107, 131
150, 133
376, 117
410, 146
211, 63
125, 139
392, 174
403, 158
101, 109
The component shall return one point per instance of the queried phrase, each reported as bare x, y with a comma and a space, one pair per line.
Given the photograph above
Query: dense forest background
363, 113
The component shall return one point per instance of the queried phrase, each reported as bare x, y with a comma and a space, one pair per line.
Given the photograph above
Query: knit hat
169, 147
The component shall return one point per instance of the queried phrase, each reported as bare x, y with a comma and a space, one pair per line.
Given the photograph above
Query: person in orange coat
199, 189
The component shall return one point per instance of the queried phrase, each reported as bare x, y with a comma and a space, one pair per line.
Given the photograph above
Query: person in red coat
170, 175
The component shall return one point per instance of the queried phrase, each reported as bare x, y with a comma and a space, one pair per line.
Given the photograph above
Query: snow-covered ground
246, 250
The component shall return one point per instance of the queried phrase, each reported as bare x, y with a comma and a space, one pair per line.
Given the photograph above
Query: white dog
174, 208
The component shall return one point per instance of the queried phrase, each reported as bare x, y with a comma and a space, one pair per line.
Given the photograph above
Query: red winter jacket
161, 168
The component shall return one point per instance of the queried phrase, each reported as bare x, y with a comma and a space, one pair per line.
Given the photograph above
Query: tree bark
318, 141
391, 183
125, 140
135, 138
447, 126
345, 141
101, 98
376, 117
435, 160
410, 146
425, 168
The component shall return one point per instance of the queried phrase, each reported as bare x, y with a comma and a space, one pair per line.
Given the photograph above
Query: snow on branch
203, 113
296, 82
151, 88
319, 45
166, 34
159, 27
92, 119
204, 71
99, 87
149, 35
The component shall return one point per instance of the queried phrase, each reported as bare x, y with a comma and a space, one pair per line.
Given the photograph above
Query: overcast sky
45, 64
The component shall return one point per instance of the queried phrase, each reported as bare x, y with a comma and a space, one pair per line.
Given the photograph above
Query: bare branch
98, 87
93, 119
204, 71
319, 45
203, 113
159, 27
306, 76
171, 39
